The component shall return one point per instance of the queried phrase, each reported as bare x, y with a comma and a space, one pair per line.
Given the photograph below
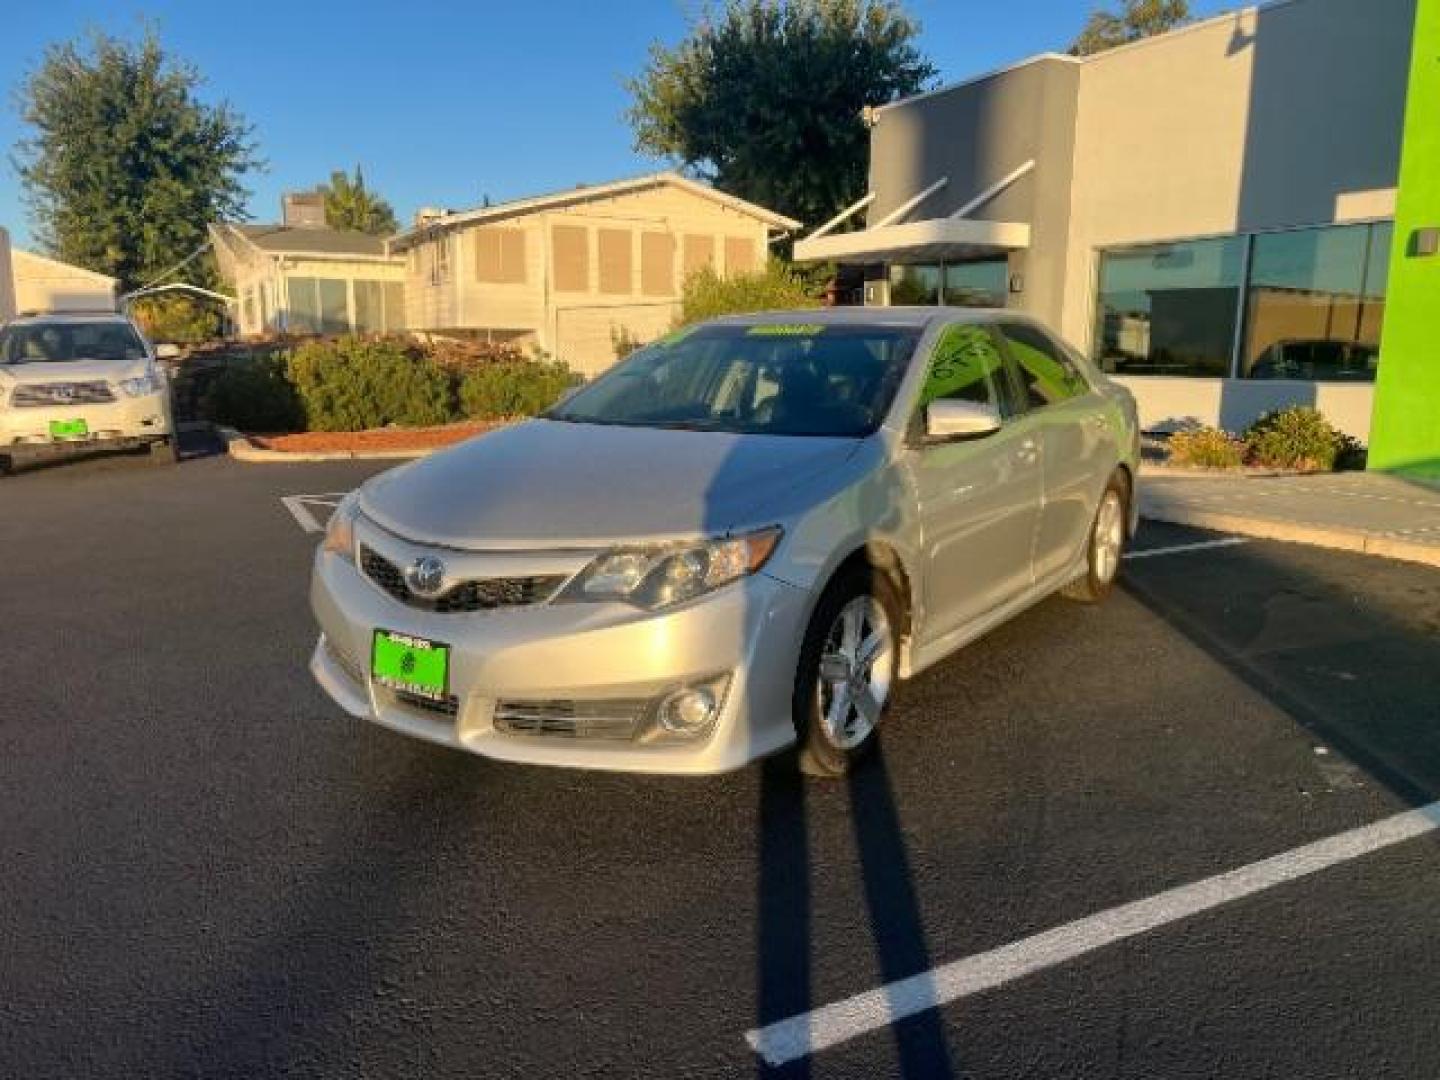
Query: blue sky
443, 104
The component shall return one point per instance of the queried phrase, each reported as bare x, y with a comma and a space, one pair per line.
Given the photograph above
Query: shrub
1207, 448
512, 388
707, 295
252, 394
1297, 438
353, 383
624, 341
177, 318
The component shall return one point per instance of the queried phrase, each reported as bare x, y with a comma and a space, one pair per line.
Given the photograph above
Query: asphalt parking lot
210, 871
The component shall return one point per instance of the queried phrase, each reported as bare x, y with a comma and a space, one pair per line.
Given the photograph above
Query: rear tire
1105, 547
164, 451
847, 671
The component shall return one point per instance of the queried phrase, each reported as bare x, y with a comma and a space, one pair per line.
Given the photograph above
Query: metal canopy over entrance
918, 241
956, 237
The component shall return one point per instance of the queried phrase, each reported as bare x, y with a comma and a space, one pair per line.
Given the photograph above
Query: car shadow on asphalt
1339, 643
785, 904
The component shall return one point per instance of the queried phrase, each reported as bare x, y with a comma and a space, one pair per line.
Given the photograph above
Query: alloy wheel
1109, 538
857, 666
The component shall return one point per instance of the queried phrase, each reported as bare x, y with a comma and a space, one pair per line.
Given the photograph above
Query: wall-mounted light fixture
1017, 283
1425, 243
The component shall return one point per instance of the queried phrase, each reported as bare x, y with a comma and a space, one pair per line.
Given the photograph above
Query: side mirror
960, 420
167, 352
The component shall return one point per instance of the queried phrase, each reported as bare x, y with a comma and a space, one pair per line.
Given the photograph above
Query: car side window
1047, 375
966, 365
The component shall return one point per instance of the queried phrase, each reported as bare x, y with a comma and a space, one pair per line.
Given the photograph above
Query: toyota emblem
425, 576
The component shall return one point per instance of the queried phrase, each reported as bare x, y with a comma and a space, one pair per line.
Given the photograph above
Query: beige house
570, 272
299, 277
44, 284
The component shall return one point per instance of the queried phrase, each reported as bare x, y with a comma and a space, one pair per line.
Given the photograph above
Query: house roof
67, 269
287, 240
587, 193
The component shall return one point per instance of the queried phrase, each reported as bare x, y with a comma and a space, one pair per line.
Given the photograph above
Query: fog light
688, 711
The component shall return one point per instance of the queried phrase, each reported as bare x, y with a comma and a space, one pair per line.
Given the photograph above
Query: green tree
126, 166
1136, 19
351, 206
764, 97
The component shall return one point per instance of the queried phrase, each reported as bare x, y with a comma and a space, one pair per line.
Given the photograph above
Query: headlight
340, 529
656, 577
150, 383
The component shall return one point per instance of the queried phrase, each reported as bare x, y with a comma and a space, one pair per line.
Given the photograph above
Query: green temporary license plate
68, 429
410, 664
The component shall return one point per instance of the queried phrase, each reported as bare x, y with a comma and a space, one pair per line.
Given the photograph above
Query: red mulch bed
311, 442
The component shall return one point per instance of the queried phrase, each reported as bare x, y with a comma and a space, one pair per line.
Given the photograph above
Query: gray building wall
977, 133
1281, 116
1286, 115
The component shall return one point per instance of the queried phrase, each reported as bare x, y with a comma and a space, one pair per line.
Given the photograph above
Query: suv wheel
164, 451
847, 670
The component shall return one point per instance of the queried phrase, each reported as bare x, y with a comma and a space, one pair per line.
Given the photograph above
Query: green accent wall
1405, 430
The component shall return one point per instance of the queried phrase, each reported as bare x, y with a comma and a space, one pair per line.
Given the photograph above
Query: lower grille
617, 719
483, 594
49, 395
448, 706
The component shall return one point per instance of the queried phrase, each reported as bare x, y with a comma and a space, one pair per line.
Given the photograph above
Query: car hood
554, 484
72, 371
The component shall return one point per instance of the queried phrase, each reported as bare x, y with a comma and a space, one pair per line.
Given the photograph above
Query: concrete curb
1356, 540
239, 447
1189, 472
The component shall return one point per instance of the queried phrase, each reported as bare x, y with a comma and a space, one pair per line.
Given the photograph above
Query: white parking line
1202, 545
299, 507
787, 1040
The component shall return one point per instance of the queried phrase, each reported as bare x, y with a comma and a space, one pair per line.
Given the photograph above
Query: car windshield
61, 342
761, 378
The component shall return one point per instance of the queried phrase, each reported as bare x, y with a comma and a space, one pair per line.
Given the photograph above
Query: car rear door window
1047, 375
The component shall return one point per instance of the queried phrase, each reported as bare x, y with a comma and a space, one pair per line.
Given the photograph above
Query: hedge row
355, 383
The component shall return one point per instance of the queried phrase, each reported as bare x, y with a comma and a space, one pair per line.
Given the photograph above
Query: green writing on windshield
785, 330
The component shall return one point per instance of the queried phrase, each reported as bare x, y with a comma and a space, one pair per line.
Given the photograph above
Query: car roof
27, 317
910, 317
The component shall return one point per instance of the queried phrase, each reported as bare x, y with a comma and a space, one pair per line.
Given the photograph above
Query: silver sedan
736, 541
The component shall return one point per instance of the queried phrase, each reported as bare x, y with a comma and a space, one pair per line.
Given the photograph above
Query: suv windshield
61, 342
764, 378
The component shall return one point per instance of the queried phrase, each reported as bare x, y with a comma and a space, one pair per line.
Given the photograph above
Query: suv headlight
152, 382
657, 577
340, 529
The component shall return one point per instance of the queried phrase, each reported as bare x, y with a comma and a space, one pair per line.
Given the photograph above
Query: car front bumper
125, 418
567, 652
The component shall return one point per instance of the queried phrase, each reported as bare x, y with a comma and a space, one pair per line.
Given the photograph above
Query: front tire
848, 666
1106, 545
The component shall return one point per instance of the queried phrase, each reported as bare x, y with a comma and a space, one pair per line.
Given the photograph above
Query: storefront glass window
1316, 302
977, 284
911, 285
1170, 309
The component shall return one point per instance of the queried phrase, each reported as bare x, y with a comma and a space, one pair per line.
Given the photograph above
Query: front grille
447, 706
49, 395
617, 719
484, 594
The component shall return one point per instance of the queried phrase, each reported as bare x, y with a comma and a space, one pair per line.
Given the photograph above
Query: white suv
87, 379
